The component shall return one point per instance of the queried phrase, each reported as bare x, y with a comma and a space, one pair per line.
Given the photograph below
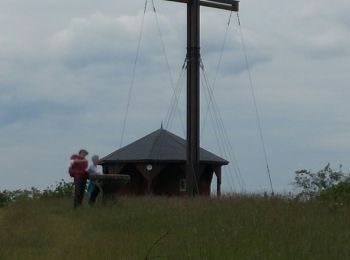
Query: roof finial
161, 125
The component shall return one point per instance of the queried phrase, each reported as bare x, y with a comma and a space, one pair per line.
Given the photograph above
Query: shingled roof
159, 146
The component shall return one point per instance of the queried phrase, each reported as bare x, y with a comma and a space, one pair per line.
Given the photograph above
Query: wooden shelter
156, 165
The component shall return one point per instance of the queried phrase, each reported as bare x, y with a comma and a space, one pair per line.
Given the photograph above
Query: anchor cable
225, 140
132, 82
174, 104
218, 66
167, 62
251, 85
224, 145
220, 144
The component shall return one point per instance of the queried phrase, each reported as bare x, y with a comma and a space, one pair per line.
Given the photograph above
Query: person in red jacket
77, 170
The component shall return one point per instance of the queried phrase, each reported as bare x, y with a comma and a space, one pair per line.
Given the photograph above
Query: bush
59, 190
5, 198
313, 184
339, 193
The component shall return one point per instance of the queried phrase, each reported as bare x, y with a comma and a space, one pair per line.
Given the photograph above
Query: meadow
235, 227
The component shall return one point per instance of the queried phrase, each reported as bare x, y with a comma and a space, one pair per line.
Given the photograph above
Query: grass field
176, 228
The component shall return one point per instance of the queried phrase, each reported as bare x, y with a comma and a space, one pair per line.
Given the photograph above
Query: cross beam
230, 5
193, 85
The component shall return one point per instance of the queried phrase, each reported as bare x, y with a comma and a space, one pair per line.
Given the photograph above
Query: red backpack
77, 168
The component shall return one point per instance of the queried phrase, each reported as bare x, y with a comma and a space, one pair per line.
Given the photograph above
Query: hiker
93, 190
77, 170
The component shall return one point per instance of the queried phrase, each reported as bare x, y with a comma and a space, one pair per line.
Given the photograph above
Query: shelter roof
159, 146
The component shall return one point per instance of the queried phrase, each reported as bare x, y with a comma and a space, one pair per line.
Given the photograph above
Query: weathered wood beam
193, 86
179, 1
218, 5
230, 5
229, 2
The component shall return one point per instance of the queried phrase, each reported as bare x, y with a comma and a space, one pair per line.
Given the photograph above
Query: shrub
5, 198
59, 190
339, 193
312, 184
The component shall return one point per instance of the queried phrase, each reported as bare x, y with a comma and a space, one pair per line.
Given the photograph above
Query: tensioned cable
219, 124
220, 145
227, 145
163, 45
166, 57
254, 101
219, 121
172, 107
131, 86
174, 104
217, 68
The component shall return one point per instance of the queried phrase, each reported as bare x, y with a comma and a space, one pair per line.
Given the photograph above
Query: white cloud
103, 38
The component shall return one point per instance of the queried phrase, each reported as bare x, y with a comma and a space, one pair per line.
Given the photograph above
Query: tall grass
176, 228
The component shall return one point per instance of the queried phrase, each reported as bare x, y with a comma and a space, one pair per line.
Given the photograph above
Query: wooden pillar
193, 96
193, 84
218, 182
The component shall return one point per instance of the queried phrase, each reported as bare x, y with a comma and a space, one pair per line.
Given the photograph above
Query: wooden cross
193, 85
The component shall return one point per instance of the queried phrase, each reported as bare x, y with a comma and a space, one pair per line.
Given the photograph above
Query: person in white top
92, 189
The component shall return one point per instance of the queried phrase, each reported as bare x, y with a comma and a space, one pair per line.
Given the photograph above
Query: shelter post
218, 182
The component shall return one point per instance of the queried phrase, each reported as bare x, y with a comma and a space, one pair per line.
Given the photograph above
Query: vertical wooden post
193, 96
218, 181
193, 85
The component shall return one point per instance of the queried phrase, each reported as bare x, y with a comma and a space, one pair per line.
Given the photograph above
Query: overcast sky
66, 66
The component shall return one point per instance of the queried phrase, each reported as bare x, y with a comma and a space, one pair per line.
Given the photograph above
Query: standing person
92, 188
77, 170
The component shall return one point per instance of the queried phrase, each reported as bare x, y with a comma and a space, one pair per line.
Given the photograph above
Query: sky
66, 70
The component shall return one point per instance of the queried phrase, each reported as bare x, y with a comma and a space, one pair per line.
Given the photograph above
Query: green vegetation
314, 225
238, 227
61, 189
339, 193
324, 185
